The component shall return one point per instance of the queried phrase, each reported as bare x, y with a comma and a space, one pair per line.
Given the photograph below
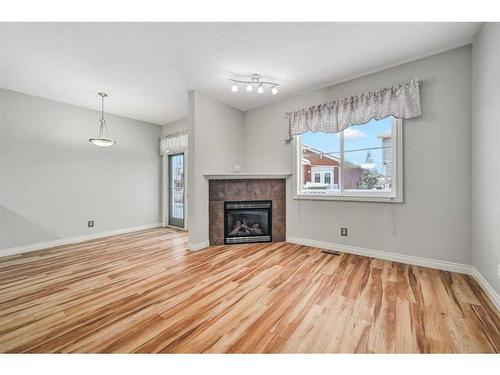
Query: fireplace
247, 221
246, 190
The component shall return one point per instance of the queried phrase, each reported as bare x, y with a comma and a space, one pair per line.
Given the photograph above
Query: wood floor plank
144, 292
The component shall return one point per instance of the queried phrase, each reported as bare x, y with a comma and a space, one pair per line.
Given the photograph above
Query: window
328, 178
364, 162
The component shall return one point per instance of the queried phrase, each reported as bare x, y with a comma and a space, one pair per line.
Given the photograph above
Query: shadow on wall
16, 230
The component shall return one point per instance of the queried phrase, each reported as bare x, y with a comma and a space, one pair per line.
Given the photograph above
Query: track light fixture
255, 80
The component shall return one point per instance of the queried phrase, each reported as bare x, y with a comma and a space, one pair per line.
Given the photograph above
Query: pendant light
103, 139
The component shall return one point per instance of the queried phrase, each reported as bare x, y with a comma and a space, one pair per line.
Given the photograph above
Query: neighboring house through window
362, 162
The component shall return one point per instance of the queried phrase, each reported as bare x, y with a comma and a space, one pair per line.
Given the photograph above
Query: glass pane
177, 186
328, 178
368, 156
320, 155
244, 223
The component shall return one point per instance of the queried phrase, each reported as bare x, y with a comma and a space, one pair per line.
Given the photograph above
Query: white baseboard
488, 289
385, 255
66, 241
198, 245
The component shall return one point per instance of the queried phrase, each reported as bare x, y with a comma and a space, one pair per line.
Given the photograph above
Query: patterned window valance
174, 143
401, 101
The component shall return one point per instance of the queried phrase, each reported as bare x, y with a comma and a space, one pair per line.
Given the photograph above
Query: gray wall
215, 146
174, 126
486, 153
435, 219
52, 180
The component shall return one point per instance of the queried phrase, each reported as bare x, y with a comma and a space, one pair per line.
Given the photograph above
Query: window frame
317, 174
324, 177
395, 196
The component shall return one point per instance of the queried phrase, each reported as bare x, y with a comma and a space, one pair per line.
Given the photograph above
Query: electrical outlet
343, 231
90, 223
498, 271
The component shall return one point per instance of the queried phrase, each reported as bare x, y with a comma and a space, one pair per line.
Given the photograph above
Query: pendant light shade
103, 139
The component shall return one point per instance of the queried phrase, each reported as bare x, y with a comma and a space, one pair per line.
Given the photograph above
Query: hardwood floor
143, 292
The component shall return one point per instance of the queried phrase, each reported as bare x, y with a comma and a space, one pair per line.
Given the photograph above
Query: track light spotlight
254, 80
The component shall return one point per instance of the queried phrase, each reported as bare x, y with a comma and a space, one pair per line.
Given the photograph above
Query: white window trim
396, 196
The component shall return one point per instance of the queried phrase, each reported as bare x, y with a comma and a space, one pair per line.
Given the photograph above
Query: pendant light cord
102, 107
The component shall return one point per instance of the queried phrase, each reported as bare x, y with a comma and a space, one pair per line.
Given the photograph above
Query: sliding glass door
176, 190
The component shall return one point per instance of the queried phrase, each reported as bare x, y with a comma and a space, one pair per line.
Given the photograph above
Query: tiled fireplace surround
243, 190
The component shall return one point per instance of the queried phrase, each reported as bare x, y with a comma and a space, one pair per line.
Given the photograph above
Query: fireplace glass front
247, 221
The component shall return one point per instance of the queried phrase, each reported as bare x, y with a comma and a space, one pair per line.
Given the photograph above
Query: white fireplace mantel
246, 176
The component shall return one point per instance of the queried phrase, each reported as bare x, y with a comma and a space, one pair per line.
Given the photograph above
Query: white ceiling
148, 68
